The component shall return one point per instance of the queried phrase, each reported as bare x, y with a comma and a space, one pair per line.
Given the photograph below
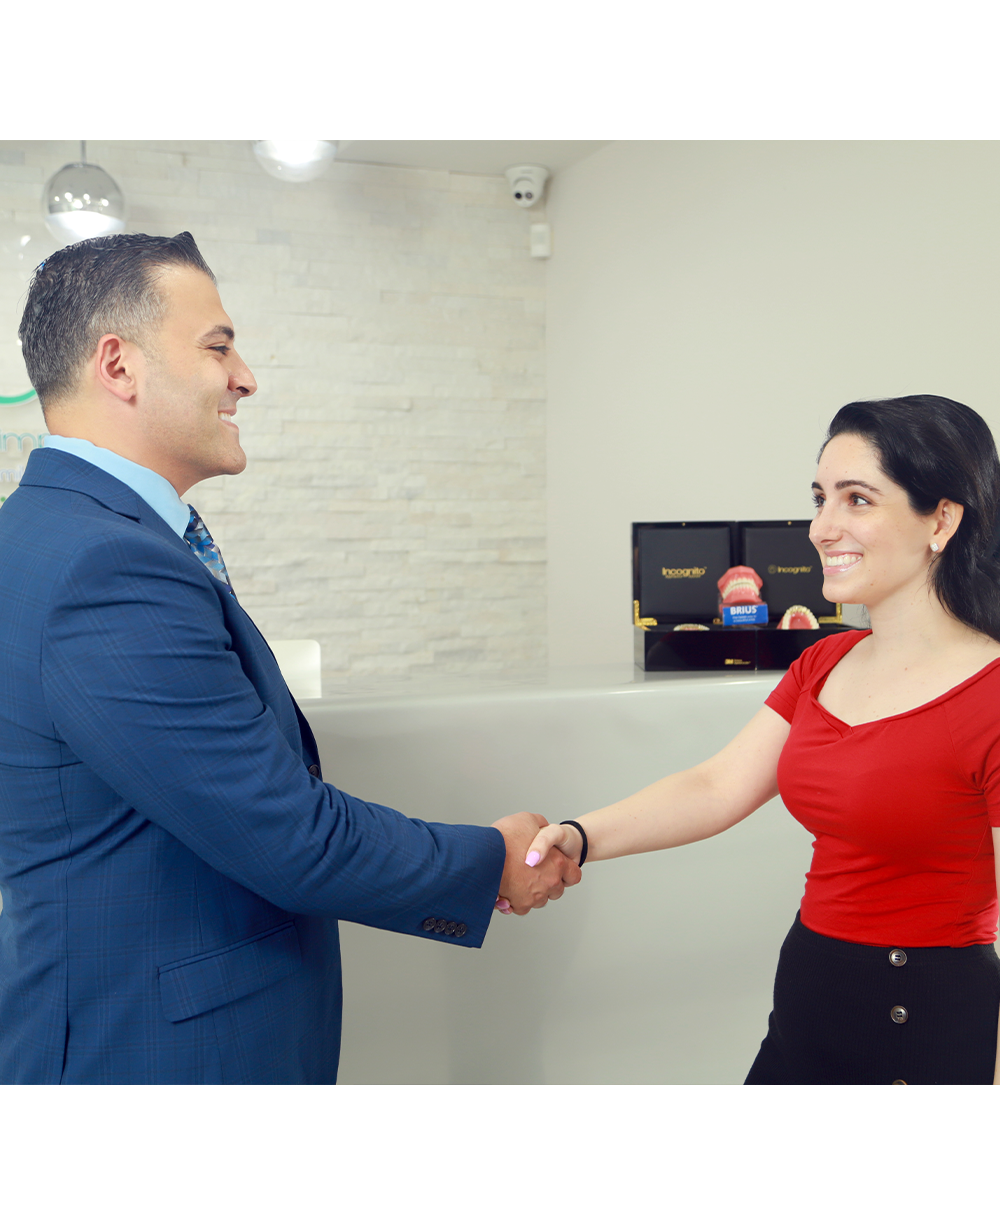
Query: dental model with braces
740, 585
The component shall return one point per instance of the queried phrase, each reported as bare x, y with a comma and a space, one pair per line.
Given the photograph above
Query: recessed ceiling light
295, 161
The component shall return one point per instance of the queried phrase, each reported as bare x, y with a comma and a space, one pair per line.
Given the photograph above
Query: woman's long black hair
937, 448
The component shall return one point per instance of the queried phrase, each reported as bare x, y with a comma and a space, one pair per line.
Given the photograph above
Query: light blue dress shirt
155, 490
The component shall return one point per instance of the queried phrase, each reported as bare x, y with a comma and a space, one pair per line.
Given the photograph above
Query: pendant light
82, 201
295, 161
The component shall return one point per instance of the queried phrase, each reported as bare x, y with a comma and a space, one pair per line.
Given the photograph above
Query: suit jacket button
429, 924
897, 957
899, 1014
314, 771
451, 929
461, 929
440, 925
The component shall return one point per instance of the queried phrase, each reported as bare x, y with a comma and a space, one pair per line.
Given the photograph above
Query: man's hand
527, 888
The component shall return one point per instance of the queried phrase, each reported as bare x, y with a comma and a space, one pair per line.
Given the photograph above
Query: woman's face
871, 542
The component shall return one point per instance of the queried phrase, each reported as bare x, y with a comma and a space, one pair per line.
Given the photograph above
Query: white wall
709, 306
393, 507
712, 304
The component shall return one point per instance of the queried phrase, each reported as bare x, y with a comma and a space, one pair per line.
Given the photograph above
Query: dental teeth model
690, 625
798, 617
740, 585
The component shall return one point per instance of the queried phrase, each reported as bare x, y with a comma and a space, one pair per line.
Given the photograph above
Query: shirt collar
155, 490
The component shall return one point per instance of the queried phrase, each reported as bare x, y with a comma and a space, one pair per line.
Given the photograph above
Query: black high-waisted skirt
855, 1014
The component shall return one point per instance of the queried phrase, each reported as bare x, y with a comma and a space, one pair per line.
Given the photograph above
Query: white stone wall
393, 506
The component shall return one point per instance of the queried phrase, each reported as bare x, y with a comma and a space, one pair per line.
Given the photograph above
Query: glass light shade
23, 246
295, 161
82, 201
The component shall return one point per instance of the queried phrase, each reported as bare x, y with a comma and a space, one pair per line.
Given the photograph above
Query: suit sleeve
142, 684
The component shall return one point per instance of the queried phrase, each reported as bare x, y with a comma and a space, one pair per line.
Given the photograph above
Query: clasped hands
536, 869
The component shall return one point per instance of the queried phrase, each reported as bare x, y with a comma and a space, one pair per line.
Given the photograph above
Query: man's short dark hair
89, 289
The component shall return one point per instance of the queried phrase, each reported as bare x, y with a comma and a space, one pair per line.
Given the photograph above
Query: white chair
299, 661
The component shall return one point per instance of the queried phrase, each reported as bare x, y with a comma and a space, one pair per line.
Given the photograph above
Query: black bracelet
583, 835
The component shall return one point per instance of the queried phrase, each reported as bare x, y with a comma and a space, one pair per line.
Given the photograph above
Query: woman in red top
886, 746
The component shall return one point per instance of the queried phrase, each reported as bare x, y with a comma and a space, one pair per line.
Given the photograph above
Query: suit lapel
61, 470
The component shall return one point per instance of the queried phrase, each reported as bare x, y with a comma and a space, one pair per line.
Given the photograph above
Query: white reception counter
656, 969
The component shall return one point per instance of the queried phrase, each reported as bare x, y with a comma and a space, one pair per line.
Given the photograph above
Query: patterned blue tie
200, 539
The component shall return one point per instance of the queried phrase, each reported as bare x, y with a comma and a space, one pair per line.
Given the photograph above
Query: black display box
786, 559
675, 571
677, 566
741, 648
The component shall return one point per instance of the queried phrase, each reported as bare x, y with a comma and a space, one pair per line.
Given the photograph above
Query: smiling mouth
840, 563
227, 418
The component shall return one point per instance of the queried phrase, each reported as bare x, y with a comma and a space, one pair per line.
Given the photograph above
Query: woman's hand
565, 838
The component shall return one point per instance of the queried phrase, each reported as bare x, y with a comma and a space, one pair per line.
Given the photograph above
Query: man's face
194, 379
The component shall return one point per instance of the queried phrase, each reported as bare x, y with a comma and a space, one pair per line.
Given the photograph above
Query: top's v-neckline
817, 688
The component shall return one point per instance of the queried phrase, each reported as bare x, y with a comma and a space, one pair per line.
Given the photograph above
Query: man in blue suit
172, 867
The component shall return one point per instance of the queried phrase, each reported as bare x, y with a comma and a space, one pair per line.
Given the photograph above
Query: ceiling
468, 156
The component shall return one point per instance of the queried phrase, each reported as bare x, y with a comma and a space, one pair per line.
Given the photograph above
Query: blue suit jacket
171, 870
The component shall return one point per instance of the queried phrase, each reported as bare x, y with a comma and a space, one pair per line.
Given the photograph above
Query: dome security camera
527, 184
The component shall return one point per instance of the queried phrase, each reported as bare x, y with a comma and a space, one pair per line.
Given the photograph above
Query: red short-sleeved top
901, 808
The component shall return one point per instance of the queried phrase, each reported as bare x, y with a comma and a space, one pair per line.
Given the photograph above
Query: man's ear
116, 365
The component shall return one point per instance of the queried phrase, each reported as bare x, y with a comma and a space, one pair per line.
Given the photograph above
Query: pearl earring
934, 548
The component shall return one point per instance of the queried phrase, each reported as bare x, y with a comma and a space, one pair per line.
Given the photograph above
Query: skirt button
899, 1015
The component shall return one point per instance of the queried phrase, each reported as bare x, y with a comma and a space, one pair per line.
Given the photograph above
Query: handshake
542, 860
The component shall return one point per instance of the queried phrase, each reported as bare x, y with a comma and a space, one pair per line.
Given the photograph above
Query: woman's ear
946, 519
